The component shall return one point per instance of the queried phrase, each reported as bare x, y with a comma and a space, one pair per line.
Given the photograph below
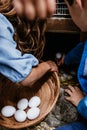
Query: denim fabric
74, 56
79, 55
73, 126
82, 107
13, 64
82, 75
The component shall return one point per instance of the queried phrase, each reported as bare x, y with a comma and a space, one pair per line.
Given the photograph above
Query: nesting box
61, 20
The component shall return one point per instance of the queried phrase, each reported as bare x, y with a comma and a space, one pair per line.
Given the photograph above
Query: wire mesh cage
61, 10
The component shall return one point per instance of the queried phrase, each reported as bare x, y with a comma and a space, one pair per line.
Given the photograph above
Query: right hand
60, 61
53, 66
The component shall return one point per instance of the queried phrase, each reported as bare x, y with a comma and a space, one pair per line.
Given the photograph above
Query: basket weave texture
47, 89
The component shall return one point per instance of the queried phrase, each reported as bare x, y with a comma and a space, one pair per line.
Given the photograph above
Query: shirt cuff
82, 107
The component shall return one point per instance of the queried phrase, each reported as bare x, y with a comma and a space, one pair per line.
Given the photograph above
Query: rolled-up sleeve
13, 64
82, 107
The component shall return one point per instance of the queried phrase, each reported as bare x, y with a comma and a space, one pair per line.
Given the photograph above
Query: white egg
20, 115
34, 101
22, 104
8, 111
33, 113
58, 55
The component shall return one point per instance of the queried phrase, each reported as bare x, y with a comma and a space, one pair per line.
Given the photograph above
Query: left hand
75, 95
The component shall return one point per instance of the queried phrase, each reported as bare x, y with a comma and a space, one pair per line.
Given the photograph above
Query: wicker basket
47, 89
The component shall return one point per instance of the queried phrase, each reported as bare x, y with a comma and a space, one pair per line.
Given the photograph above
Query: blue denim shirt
82, 71
13, 64
79, 55
82, 107
82, 77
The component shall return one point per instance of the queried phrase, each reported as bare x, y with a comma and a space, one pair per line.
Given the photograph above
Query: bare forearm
36, 74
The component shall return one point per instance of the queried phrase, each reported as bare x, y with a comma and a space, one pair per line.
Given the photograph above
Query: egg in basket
47, 89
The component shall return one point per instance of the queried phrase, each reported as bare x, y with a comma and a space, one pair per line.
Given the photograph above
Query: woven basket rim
39, 119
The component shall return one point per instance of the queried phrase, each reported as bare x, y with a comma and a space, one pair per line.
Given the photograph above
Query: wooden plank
61, 25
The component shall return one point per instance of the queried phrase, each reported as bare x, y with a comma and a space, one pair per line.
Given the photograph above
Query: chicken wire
61, 9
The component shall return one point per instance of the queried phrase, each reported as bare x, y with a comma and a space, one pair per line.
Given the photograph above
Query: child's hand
53, 66
38, 72
59, 59
75, 95
33, 9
